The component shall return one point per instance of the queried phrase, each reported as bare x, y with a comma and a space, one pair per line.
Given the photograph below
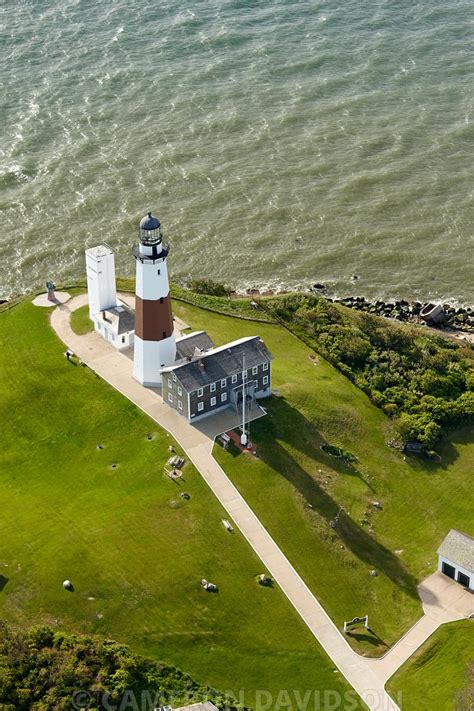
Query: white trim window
213, 387
170, 383
180, 405
200, 392
224, 382
265, 366
234, 378
170, 397
255, 384
200, 406
223, 397
180, 390
174, 376
255, 370
265, 379
213, 401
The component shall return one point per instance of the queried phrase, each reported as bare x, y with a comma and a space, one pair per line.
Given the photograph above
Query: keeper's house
208, 379
456, 558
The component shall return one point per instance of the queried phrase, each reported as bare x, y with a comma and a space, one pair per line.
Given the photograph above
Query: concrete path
60, 297
366, 676
443, 601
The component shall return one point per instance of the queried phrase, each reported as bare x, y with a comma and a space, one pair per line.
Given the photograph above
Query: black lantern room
150, 230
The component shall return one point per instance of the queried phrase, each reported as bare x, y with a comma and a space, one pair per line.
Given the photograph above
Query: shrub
42, 669
209, 287
425, 382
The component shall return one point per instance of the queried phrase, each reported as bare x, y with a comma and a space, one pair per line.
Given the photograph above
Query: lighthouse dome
150, 230
149, 222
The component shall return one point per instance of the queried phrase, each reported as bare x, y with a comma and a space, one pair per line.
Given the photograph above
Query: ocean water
280, 142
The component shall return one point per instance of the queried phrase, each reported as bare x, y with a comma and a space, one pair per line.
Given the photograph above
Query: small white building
116, 325
456, 558
112, 319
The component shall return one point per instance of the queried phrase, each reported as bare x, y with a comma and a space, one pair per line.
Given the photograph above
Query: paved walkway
366, 676
443, 601
60, 297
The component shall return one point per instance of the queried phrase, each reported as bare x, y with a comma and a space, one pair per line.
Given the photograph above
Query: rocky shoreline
444, 317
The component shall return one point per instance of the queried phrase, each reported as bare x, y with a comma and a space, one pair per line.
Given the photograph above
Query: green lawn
440, 675
80, 321
296, 489
134, 550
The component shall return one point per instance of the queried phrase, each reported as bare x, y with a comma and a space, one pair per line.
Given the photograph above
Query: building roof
221, 363
458, 547
101, 250
202, 706
186, 346
120, 319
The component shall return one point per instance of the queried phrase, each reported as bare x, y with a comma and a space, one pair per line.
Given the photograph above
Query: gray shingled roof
186, 346
459, 548
221, 363
120, 318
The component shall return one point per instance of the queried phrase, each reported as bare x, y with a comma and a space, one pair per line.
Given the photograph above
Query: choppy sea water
280, 142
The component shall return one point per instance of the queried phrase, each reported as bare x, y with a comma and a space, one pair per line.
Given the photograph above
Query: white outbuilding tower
100, 268
154, 345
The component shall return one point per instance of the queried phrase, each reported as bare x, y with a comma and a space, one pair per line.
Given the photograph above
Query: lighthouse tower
154, 344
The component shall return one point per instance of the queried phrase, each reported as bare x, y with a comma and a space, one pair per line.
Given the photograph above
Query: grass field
80, 321
133, 548
436, 677
296, 489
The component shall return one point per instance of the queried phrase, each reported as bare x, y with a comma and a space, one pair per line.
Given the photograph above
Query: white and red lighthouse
154, 344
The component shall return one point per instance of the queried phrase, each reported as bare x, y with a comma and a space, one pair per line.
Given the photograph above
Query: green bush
209, 287
43, 669
423, 381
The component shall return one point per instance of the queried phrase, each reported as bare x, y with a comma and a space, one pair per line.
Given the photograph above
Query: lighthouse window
161, 299
213, 401
164, 334
158, 272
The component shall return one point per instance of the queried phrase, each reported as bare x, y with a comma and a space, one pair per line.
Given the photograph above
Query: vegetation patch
49, 669
209, 287
221, 304
80, 321
338, 452
424, 381
440, 675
